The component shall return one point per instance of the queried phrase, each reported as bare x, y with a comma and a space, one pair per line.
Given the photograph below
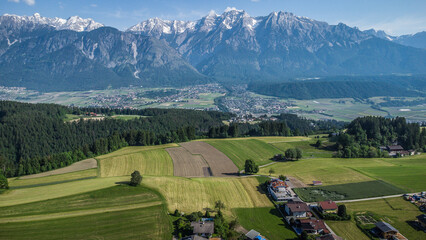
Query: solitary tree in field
136, 179
250, 167
290, 154
3, 182
271, 171
318, 143
219, 205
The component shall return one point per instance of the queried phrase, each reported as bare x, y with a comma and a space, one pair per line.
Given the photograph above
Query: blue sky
396, 17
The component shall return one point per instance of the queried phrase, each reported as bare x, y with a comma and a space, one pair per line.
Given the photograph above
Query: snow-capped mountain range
228, 47
74, 23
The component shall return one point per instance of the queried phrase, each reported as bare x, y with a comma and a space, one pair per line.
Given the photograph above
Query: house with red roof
327, 207
313, 226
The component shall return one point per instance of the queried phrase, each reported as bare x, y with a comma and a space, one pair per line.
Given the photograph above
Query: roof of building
203, 227
385, 227
422, 218
298, 207
395, 148
316, 182
328, 205
313, 224
276, 184
252, 234
194, 237
329, 236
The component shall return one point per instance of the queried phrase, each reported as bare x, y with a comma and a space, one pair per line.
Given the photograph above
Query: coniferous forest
365, 134
35, 137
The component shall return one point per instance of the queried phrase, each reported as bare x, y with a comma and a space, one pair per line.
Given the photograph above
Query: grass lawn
15, 183
347, 230
330, 171
308, 151
148, 162
407, 173
347, 191
145, 217
189, 195
395, 211
240, 150
265, 220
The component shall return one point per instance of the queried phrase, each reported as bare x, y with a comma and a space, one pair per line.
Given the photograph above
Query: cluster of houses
298, 213
397, 150
202, 230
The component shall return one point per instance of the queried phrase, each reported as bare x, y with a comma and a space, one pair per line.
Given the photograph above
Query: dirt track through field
220, 164
186, 164
78, 166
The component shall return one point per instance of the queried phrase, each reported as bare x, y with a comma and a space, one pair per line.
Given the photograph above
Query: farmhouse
313, 226
395, 149
329, 236
385, 230
279, 190
202, 228
297, 209
327, 206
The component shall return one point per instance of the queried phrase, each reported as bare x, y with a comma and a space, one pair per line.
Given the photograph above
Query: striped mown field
147, 160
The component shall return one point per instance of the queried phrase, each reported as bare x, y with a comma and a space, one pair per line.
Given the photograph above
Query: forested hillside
35, 138
342, 88
365, 134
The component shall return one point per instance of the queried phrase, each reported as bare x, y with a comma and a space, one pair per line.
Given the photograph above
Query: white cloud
28, 2
94, 5
255, 0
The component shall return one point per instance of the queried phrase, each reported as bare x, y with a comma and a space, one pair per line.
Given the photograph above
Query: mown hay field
15, 183
267, 221
239, 150
147, 160
347, 229
119, 212
189, 195
34, 194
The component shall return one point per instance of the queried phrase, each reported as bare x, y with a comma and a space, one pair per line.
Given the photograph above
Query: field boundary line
374, 198
40, 217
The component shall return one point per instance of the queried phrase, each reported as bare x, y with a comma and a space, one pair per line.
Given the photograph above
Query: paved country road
374, 198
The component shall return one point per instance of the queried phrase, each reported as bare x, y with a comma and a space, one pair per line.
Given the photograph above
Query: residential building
313, 226
327, 206
385, 230
297, 209
279, 190
202, 228
329, 236
254, 235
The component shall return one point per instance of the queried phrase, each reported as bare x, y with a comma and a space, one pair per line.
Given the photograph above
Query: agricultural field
147, 160
186, 164
395, 211
347, 191
347, 229
407, 173
77, 166
267, 221
239, 150
220, 165
119, 212
189, 195
308, 150
20, 182
34, 194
